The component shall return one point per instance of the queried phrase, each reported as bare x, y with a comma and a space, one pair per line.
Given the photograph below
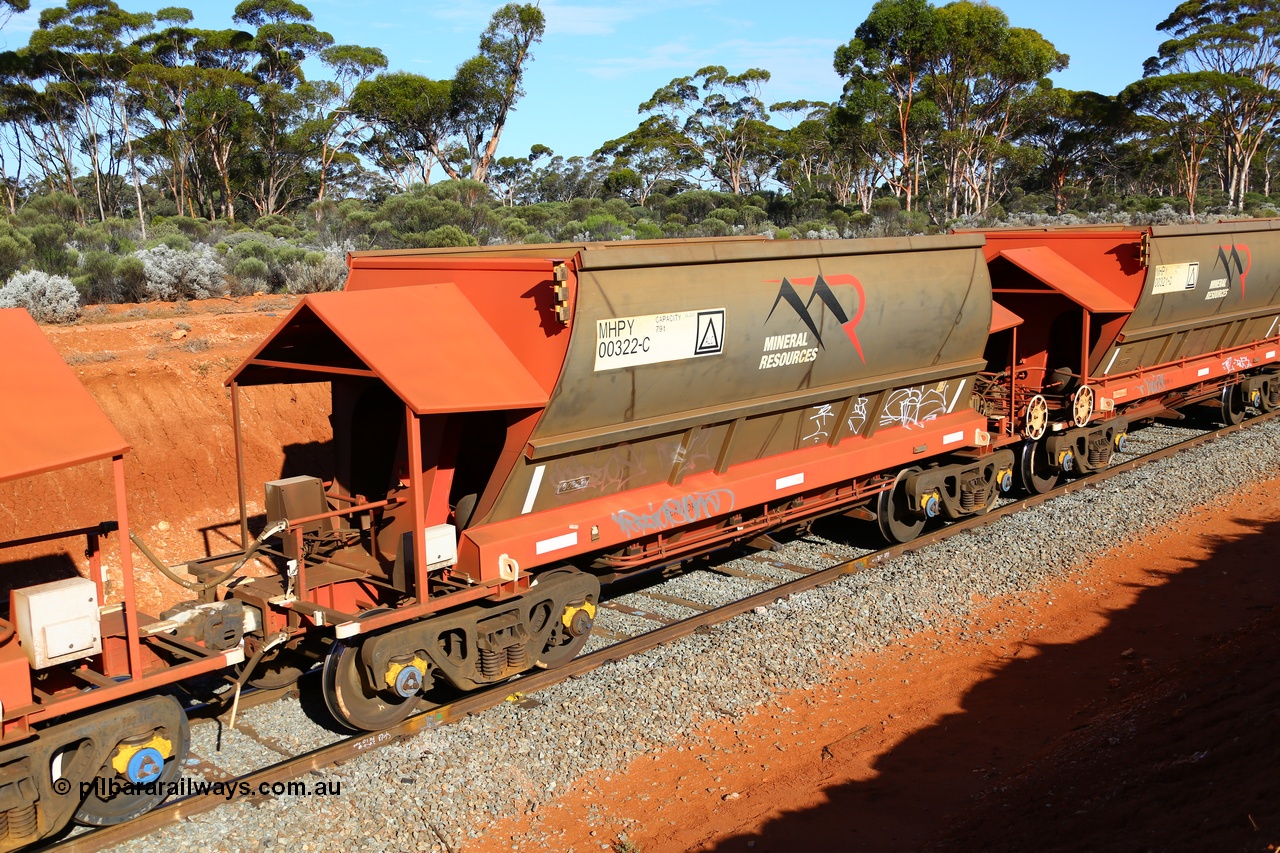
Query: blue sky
600, 60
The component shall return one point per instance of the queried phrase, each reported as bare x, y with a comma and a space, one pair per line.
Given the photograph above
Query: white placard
555, 543
1175, 278
789, 481
653, 338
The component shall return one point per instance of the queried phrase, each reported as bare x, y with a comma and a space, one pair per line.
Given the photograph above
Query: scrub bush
48, 298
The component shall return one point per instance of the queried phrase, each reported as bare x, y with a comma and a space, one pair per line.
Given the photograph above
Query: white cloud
576, 20
676, 55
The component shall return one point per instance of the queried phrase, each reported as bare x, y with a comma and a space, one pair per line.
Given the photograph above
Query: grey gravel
443, 787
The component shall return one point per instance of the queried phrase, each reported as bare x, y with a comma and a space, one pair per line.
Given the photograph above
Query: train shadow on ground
314, 458
20, 573
311, 701
1155, 732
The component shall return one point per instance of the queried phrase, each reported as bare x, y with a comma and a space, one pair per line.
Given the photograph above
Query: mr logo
824, 291
1230, 258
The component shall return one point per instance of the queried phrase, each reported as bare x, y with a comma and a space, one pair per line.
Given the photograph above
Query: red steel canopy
1002, 318
1066, 278
428, 343
48, 420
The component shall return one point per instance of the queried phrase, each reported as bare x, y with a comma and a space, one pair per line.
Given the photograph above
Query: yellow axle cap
126, 751
393, 670
572, 610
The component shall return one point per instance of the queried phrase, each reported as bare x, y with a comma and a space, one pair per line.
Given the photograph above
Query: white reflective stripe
956, 398
789, 481
1204, 371
346, 629
1112, 361
1271, 353
533, 489
235, 656
952, 438
555, 543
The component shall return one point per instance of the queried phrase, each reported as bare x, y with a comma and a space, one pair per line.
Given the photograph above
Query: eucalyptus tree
646, 157
1075, 135
195, 90
804, 150
885, 66
984, 81
1226, 55
1179, 114
8, 8
334, 125
39, 126
565, 178
85, 49
409, 120
283, 40
719, 120
827, 150
857, 162
486, 87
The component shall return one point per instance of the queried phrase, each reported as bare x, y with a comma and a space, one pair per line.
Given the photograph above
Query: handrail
337, 513
101, 529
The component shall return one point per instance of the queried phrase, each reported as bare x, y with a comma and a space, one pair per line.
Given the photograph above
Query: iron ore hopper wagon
510, 427
513, 426
1107, 326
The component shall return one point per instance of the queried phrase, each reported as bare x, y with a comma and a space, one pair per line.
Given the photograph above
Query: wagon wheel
898, 524
114, 800
1037, 418
353, 701
570, 633
1038, 476
1082, 406
1233, 404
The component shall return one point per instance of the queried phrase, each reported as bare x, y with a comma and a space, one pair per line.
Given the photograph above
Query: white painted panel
556, 543
789, 481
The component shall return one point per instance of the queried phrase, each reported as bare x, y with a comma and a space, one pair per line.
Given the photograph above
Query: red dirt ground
1132, 708
161, 385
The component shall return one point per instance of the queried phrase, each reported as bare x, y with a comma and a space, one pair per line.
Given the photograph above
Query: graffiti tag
910, 407
821, 415
1240, 362
675, 512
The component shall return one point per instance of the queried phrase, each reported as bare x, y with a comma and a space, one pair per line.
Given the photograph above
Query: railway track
657, 611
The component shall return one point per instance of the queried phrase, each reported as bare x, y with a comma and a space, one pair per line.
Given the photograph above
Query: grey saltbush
173, 274
329, 273
48, 298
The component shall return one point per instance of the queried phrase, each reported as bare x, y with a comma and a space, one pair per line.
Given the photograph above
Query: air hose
201, 586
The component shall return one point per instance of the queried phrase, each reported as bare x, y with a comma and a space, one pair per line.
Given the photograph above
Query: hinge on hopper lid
1144, 250
560, 274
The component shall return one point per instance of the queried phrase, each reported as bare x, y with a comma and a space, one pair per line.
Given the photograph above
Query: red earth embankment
158, 372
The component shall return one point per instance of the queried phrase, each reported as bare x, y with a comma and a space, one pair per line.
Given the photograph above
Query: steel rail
484, 699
